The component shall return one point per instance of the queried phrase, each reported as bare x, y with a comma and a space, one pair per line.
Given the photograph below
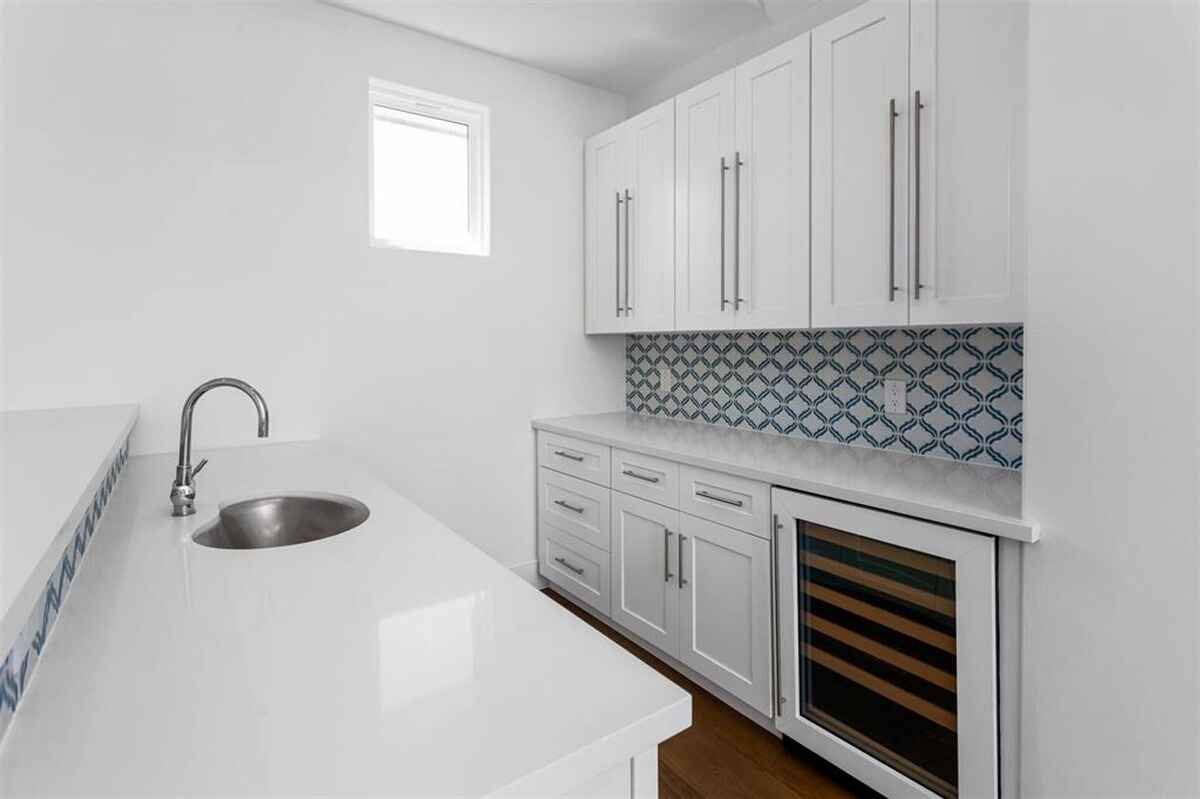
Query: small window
429, 171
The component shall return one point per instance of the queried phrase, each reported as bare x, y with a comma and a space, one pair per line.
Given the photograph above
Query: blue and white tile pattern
21, 659
964, 386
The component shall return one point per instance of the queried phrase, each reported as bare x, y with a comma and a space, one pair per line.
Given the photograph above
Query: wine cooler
886, 646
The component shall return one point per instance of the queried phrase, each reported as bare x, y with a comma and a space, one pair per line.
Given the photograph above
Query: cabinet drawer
574, 506
581, 459
575, 566
644, 476
733, 501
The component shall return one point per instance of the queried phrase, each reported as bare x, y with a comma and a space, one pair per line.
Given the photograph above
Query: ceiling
620, 45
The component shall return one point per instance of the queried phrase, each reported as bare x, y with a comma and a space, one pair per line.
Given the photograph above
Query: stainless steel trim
568, 456
892, 199
737, 503
738, 163
679, 565
617, 252
667, 576
637, 476
724, 169
628, 202
917, 106
564, 562
568, 506
776, 670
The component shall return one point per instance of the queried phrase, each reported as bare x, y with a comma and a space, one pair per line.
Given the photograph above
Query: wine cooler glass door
887, 646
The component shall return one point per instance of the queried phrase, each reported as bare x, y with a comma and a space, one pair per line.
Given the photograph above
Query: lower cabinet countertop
394, 659
980, 498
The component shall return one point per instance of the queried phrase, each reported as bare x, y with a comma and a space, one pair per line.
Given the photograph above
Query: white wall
185, 196
1111, 620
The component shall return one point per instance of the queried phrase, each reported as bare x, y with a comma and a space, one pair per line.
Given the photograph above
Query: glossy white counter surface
51, 462
980, 498
395, 659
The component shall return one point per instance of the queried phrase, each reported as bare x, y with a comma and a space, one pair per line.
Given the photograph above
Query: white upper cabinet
968, 258
605, 185
770, 268
860, 167
867, 174
704, 151
630, 208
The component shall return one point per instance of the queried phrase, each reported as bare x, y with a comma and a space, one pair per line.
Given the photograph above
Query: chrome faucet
183, 491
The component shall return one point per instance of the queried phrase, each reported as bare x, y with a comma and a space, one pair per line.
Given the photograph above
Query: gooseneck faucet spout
183, 491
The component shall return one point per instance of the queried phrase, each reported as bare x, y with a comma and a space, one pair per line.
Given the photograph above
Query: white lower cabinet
697, 590
575, 566
725, 608
644, 551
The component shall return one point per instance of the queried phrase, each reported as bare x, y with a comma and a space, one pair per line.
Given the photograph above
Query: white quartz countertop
979, 498
395, 659
51, 462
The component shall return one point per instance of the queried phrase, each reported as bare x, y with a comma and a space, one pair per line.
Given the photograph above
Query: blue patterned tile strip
23, 656
964, 386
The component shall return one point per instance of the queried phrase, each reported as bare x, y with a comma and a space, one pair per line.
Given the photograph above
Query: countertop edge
581, 765
999, 526
14, 618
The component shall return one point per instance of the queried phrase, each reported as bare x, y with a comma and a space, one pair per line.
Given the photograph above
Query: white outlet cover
894, 400
666, 379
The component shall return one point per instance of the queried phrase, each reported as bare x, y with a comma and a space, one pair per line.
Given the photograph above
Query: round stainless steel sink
280, 521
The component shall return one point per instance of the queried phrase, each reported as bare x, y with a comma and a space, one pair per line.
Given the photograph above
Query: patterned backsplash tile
964, 386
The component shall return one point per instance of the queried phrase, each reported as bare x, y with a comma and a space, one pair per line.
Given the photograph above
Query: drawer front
644, 476
734, 501
581, 459
575, 566
574, 506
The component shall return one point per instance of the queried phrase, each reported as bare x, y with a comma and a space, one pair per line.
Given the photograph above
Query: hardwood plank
725, 755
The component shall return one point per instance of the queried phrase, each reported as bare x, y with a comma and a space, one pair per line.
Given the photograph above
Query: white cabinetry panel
726, 609
860, 167
968, 254
645, 598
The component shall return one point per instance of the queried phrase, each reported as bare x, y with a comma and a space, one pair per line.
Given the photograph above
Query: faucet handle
196, 469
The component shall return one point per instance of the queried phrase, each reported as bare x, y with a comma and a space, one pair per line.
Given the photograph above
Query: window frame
476, 118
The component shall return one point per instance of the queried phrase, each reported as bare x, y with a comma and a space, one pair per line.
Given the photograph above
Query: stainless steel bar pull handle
917, 106
738, 163
617, 254
667, 576
568, 506
737, 503
636, 476
628, 202
569, 456
724, 169
682, 580
564, 562
892, 287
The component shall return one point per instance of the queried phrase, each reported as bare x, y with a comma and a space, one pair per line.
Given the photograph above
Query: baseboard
529, 573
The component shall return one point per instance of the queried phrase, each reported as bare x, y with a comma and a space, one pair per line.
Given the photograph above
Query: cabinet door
860, 167
650, 271
771, 182
605, 172
645, 598
704, 149
968, 256
725, 613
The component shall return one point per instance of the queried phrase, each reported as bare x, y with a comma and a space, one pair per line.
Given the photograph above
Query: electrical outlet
666, 379
894, 401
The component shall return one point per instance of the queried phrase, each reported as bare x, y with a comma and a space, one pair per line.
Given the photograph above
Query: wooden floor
724, 755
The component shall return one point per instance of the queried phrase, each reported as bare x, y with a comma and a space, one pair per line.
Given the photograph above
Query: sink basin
281, 521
